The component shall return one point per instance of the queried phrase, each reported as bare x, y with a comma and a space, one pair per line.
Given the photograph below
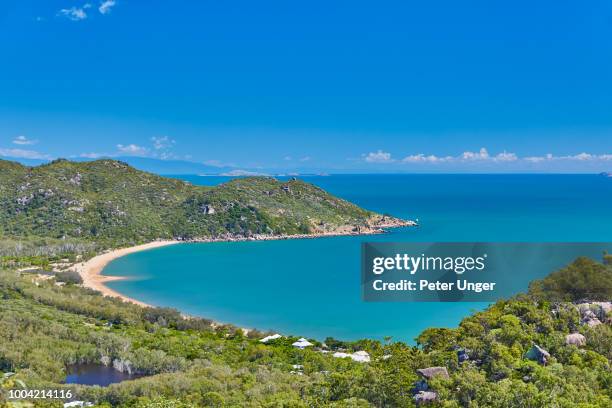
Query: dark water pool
95, 374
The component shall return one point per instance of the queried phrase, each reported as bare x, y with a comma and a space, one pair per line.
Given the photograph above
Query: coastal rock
594, 313
589, 317
424, 397
421, 387
592, 322
76, 180
385, 221
537, 353
431, 372
575, 339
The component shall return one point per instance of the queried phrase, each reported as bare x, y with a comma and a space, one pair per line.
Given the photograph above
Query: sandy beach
91, 270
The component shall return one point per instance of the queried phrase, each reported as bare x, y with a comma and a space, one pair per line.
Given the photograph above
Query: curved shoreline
91, 270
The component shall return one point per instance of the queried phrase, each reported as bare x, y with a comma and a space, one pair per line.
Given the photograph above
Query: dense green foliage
188, 363
583, 280
108, 200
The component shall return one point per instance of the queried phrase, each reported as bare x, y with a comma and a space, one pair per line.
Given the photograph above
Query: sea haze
311, 287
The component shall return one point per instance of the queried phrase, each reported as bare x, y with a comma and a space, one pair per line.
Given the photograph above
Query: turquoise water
312, 287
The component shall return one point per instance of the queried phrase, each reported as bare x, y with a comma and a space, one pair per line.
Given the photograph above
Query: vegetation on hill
484, 362
109, 201
581, 281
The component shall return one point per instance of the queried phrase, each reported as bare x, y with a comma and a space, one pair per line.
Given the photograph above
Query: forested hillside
522, 352
107, 200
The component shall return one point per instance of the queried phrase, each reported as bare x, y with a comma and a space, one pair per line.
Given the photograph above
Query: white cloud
506, 157
301, 159
378, 157
75, 13
93, 155
133, 149
214, 163
243, 173
576, 157
23, 154
587, 156
582, 156
162, 142
22, 140
483, 154
538, 159
421, 158
167, 156
219, 163
106, 6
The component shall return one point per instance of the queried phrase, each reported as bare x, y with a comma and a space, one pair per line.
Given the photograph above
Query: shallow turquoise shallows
311, 287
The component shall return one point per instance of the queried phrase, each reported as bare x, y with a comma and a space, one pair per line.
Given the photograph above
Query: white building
272, 337
359, 356
302, 343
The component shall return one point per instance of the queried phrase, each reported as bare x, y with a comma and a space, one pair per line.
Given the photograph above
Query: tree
437, 339
582, 280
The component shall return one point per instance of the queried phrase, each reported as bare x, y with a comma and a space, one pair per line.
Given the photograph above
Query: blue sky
336, 86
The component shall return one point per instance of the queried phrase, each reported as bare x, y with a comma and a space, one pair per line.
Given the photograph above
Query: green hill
109, 200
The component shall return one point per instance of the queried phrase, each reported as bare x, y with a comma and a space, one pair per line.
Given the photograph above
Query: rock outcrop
537, 353
595, 313
575, 339
462, 355
424, 397
431, 372
421, 390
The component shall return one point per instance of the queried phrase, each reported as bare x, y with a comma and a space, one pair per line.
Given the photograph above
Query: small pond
95, 374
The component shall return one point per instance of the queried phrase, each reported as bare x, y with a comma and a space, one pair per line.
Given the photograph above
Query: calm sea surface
311, 287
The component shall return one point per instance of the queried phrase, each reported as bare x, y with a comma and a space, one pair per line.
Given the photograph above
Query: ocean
311, 287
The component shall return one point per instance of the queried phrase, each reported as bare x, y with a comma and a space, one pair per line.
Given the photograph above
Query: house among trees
302, 343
